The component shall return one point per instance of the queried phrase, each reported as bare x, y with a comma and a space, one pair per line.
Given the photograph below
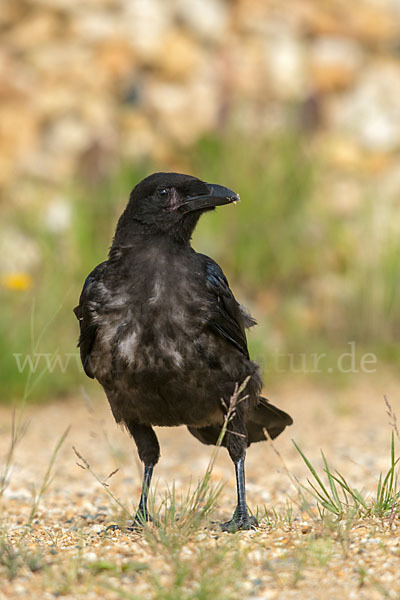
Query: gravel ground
68, 550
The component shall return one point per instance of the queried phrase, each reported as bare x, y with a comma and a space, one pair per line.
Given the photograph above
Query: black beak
217, 196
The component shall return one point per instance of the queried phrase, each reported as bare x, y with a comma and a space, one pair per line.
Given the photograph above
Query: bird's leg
236, 442
149, 453
142, 514
241, 518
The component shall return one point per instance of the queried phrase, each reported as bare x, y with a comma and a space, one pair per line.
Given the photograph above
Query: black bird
162, 332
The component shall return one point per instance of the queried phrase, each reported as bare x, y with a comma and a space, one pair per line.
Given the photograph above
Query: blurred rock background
295, 105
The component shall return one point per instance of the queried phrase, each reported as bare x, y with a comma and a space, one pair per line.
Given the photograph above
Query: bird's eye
163, 193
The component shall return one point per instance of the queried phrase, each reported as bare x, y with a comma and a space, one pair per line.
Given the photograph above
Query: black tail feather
263, 416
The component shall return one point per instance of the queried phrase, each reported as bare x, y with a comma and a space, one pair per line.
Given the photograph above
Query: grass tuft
341, 499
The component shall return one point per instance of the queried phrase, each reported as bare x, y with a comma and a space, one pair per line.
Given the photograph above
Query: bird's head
170, 204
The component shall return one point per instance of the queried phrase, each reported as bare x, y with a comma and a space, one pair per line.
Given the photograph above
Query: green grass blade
313, 471
332, 485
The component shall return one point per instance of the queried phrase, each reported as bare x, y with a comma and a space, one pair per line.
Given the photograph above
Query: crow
164, 335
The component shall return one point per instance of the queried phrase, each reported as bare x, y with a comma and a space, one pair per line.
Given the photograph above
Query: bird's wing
85, 315
227, 317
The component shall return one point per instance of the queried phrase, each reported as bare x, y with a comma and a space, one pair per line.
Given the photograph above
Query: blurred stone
18, 252
96, 25
49, 167
321, 19
67, 134
54, 100
146, 23
18, 137
253, 17
286, 64
137, 134
334, 63
35, 29
64, 5
10, 13
371, 111
174, 105
249, 73
57, 58
116, 59
57, 216
342, 152
206, 18
179, 57
374, 23
378, 162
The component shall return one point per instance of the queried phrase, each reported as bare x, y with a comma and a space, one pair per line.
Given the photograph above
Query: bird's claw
238, 522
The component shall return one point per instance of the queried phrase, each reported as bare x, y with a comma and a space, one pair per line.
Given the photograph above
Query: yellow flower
17, 281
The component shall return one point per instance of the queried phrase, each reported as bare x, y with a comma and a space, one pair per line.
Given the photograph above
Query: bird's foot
141, 518
240, 520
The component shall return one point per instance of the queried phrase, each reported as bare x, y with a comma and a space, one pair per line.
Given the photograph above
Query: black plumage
162, 332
